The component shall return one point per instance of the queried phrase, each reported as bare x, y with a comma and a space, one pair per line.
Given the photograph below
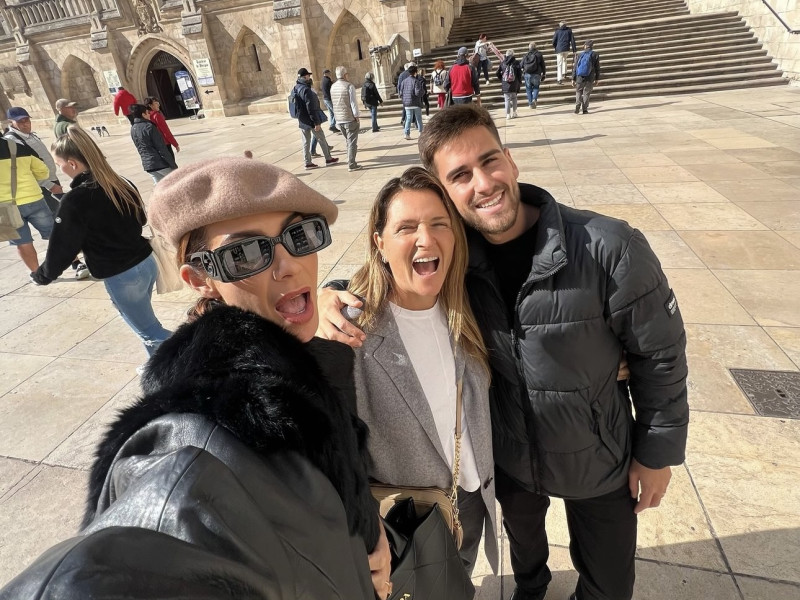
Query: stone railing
40, 15
387, 60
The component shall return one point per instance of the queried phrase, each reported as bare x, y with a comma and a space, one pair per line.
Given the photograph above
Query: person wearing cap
345, 110
239, 471
67, 115
462, 80
309, 119
585, 76
563, 42
157, 160
326, 84
123, 100
103, 215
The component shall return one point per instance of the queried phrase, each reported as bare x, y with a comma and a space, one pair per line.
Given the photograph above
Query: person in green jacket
67, 115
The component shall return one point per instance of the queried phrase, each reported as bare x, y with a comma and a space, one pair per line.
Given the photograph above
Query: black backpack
293, 101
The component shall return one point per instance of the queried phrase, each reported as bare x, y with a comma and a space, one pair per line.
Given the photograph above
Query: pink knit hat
219, 189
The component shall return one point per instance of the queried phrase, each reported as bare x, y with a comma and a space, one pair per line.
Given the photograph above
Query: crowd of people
244, 468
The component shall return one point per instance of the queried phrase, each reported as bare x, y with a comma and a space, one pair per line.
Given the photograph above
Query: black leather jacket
239, 474
561, 423
152, 148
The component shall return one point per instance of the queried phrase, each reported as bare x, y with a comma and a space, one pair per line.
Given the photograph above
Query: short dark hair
137, 110
149, 100
450, 123
412, 69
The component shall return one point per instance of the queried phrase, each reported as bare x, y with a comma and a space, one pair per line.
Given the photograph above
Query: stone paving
714, 182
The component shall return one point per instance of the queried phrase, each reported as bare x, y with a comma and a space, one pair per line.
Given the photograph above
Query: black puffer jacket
152, 148
510, 87
595, 290
239, 474
308, 109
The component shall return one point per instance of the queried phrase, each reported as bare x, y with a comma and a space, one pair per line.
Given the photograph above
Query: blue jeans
532, 82
412, 112
160, 174
37, 214
329, 106
374, 111
131, 292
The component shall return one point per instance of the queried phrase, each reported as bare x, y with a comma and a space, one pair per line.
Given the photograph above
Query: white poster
188, 93
202, 68
112, 79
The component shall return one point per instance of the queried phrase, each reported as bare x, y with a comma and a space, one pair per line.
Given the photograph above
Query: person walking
21, 170
67, 115
437, 82
309, 120
563, 42
510, 75
157, 160
462, 80
585, 76
533, 70
122, 103
327, 82
157, 118
400, 79
371, 99
345, 109
103, 216
482, 47
411, 92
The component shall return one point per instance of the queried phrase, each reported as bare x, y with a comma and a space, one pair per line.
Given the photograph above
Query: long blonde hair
373, 282
76, 144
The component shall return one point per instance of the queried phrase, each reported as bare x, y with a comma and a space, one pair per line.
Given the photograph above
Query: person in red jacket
122, 101
157, 118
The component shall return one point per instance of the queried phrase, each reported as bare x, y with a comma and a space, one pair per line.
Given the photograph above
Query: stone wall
783, 46
350, 48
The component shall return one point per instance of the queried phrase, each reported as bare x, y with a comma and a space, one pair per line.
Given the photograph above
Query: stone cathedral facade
234, 56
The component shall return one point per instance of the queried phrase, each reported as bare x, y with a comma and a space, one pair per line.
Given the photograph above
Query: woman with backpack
371, 99
437, 82
510, 74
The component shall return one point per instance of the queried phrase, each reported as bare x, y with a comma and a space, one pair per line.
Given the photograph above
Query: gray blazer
403, 442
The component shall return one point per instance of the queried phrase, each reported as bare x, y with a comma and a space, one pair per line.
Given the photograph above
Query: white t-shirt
427, 340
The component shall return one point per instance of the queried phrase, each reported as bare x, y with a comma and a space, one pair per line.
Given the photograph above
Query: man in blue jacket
309, 119
561, 295
563, 42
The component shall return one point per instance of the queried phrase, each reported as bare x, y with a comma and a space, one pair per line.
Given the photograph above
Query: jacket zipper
520, 368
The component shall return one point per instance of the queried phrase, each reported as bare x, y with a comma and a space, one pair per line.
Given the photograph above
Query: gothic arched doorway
162, 84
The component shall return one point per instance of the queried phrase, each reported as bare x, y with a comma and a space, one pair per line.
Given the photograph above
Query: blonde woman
421, 340
102, 216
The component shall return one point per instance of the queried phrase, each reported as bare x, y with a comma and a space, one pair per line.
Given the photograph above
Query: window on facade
255, 56
360, 52
441, 21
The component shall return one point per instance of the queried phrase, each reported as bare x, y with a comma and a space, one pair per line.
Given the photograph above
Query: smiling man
561, 295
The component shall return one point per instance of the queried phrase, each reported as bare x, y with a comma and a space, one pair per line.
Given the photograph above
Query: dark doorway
162, 84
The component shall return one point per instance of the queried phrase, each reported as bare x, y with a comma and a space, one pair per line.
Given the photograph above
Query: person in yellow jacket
29, 199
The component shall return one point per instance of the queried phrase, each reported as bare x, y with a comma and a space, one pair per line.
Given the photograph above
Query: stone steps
647, 47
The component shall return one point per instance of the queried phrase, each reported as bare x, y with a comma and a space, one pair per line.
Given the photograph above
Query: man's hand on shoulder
332, 324
648, 485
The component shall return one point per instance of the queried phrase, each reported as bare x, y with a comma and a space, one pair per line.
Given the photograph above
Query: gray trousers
350, 132
160, 174
583, 89
320, 137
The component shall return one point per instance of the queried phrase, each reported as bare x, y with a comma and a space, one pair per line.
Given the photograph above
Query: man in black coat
563, 42
561, 296
309, 119
157, 160
327, 82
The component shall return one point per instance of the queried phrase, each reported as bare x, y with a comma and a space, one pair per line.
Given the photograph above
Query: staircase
646, 47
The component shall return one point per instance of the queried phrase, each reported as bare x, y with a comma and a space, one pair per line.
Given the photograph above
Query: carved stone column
382, 70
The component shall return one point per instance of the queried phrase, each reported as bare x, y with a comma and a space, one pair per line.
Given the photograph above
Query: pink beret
219, 189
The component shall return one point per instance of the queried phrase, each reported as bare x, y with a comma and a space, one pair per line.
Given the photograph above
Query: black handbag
425, 562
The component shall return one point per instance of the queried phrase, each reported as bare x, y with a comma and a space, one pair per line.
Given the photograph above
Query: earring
383, 258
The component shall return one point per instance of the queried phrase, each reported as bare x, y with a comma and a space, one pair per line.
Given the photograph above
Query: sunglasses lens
241, 260
307, 237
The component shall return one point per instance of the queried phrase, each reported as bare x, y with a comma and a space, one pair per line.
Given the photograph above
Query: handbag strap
12, 150
457, 456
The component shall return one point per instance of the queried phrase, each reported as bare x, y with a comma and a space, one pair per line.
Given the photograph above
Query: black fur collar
260, 383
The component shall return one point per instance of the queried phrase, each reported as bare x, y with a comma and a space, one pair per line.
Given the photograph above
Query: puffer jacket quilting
595, 290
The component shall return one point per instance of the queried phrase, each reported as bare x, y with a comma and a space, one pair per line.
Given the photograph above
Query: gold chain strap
456, 460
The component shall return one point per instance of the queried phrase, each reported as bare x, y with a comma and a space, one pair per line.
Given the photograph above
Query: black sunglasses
245, 258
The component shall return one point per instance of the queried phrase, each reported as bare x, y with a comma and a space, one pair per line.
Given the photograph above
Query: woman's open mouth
296, 307
427, 266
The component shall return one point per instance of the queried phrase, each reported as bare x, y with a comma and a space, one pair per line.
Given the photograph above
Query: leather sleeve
645, 316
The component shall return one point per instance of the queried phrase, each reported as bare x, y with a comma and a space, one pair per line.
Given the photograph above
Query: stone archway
78, 83
349, 46
143, 54
253, 67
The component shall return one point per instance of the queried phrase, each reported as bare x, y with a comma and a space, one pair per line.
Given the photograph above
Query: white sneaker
508, 116
514, 116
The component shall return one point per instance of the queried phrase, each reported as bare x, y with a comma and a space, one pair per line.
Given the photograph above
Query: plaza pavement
714, 182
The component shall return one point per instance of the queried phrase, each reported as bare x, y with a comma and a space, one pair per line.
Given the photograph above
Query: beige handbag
10, 217
426, 497
169, 277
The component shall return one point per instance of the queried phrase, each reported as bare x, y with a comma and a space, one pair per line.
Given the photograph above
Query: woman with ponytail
102, 216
